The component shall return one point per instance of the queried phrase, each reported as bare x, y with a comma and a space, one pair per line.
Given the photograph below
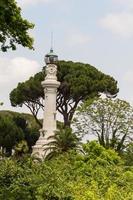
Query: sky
96, 32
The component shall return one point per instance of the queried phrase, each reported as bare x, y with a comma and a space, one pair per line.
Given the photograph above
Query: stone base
38, 149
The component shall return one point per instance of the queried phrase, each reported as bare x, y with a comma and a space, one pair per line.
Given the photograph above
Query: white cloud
119, 23
128, 4
75, 38
32, 2
15, 70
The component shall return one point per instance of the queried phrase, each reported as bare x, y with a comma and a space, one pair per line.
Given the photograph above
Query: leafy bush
99, 174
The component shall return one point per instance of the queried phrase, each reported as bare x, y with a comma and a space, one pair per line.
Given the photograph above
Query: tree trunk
37, 120
121, 144
67, 122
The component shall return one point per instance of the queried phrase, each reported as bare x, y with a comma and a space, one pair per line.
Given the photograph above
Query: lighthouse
50, 86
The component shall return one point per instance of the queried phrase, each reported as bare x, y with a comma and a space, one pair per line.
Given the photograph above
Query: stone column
50, 85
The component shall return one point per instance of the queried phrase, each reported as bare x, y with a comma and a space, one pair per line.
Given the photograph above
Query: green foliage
109, 120
1, 103
70, 176
30, 94
96, 152
128, 155
14, 115
13, 28
78, 82
21, 148
15, 127
63, 141
10, 134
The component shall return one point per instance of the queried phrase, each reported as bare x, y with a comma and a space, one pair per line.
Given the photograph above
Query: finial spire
51, 42
51, 57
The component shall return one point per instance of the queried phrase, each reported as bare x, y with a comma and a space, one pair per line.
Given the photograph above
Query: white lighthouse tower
50, 85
